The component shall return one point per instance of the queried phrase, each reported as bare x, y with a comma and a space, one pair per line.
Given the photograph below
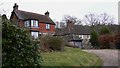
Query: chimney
47, 14
70, 24
15, 7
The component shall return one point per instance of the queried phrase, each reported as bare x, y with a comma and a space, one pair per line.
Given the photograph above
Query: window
34, 23
47, 26
27, 23
81, 36
34, 34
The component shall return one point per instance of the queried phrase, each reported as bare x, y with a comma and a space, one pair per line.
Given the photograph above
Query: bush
94, 39
18, 47
51, 43
56, 43
105, 30
105, 41
104, 38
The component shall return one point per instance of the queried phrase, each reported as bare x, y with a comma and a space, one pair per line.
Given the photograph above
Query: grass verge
70, 57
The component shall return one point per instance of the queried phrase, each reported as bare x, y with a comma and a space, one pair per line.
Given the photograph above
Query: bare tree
79, 22
102, 19
106, 19
67, 18
91, 19
62, 25
73, 19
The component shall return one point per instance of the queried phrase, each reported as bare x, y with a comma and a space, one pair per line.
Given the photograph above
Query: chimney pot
15, 7
47, 13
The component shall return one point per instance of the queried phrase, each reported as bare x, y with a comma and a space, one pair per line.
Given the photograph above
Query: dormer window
47, 26
27, 23
34, 23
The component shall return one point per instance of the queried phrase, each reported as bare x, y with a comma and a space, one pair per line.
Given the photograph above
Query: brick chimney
70, 24
15, 7
47, 14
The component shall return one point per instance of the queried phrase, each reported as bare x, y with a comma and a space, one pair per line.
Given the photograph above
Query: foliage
105, 30
105, 41
56, 43
70, 57
18, 47
52, 43
105, 38
94, 39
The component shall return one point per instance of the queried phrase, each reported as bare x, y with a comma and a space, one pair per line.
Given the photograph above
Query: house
75, 35
38, 24
79, 35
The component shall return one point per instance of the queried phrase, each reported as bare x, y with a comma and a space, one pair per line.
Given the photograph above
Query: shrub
105, 30
18, 47
94, 39
105, 38
50, 43
44, 43
56, 43
105, 41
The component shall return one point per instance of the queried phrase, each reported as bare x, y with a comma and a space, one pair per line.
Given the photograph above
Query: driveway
109, 57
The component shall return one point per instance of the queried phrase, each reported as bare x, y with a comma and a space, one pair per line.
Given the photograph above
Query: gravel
109, 56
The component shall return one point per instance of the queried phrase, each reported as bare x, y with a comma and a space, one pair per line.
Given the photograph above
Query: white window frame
34, 23
34, 34
47, 26
27, 23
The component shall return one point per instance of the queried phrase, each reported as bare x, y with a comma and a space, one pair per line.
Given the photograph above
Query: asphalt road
109, 57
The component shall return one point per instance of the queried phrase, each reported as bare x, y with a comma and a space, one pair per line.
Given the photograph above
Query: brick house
38, 24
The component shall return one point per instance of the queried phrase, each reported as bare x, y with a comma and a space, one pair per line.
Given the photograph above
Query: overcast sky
59, 8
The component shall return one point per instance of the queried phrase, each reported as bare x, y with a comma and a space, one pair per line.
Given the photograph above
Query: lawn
70, 57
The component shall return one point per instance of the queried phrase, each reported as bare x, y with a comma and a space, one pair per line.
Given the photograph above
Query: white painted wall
84, 36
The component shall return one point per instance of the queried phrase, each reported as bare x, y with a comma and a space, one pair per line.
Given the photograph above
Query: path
109, 57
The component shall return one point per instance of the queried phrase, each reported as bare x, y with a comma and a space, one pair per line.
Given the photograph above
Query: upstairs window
34, 23
47, 26
27, 23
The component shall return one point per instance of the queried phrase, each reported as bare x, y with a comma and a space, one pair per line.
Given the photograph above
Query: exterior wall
42, 28
76, 44
14, 19
84, 36
21, 23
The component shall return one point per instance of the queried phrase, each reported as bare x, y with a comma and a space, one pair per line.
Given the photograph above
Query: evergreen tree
94, 39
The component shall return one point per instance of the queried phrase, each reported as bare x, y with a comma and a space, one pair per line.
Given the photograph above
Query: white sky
59, 8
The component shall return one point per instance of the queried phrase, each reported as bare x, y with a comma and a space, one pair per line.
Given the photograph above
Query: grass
70, 57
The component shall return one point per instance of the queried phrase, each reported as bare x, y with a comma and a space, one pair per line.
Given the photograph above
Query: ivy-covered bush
18, 47
52, 43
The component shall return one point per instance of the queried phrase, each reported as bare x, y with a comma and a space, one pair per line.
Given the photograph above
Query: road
109, 57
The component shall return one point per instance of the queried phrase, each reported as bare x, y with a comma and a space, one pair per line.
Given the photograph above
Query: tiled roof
84, 30
76, 29
24, 15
